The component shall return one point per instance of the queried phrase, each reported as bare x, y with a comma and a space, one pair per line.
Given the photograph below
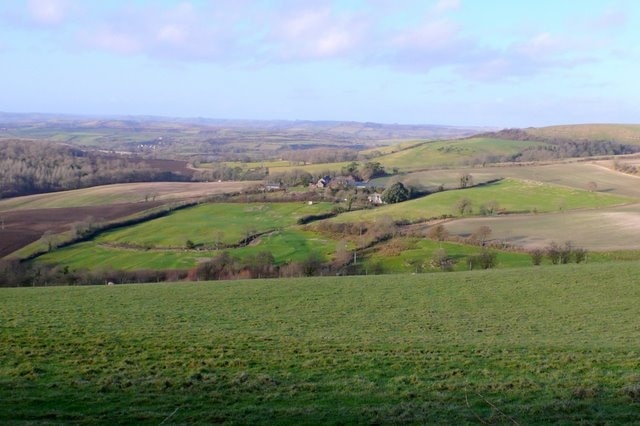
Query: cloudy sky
461, 62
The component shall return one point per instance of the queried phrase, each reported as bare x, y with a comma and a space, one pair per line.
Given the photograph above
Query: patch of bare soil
21, 227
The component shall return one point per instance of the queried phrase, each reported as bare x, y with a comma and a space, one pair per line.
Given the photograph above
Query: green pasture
404, 255
314, 169
511, 195
209, 224
540, 345
454, 152
416, 155
289, 245
622, 133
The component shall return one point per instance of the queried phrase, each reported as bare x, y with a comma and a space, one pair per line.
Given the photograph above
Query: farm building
323, 182
375, 198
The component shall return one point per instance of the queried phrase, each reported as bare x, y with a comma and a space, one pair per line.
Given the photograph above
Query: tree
489, 208
566, 252
485, 259
553, 252
463, 206
396, 193
592, 186
50, 239
371, 169
481, 234
466, 180
438, 232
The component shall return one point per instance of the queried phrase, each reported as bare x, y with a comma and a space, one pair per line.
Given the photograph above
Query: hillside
622, 133
536, 345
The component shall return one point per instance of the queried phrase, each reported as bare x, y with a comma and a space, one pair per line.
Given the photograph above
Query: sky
501, 63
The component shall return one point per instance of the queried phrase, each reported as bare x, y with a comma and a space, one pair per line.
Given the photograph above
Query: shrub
441, 260
536, 256
485, 260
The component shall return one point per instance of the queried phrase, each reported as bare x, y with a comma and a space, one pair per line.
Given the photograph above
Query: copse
396, 193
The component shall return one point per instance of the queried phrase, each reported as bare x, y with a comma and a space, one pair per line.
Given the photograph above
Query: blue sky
498, 63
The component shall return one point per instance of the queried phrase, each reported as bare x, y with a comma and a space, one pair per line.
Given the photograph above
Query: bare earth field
22, 227
123, 193
27, 218
616, 228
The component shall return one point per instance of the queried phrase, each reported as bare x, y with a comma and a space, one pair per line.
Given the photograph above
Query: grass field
623, 133
415, 254
122, 193
207, 224
512, 195
553, 344
289, 245
450, 153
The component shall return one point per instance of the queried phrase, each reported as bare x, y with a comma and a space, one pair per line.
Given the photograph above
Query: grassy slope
287, 245
623, 133
551, 344
205, 223
414, 255
513, 195
415, 155
202, 224
451, 152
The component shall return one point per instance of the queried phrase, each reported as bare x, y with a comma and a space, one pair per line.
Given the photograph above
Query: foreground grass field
540, 345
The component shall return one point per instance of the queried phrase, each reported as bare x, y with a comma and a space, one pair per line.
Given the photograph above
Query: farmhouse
323, 182
375, 198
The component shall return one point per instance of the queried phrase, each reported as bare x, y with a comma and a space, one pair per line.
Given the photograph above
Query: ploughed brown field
22, 227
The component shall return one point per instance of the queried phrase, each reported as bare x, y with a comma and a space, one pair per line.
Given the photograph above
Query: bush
441, 260
485, 260
396, 193
536, 256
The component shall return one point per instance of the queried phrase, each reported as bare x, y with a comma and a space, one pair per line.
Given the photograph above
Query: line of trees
559, 254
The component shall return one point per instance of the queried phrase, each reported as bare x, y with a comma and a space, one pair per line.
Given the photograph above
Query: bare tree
466, 180
463, 206
438, 232
481, 234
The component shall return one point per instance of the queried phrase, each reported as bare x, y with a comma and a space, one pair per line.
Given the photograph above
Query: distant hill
618, 133
621, 133
92, 130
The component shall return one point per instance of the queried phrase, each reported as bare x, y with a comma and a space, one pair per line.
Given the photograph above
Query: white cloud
446, 5
48, 12
316, 34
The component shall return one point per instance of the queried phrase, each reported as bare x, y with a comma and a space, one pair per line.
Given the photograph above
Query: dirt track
19, 228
